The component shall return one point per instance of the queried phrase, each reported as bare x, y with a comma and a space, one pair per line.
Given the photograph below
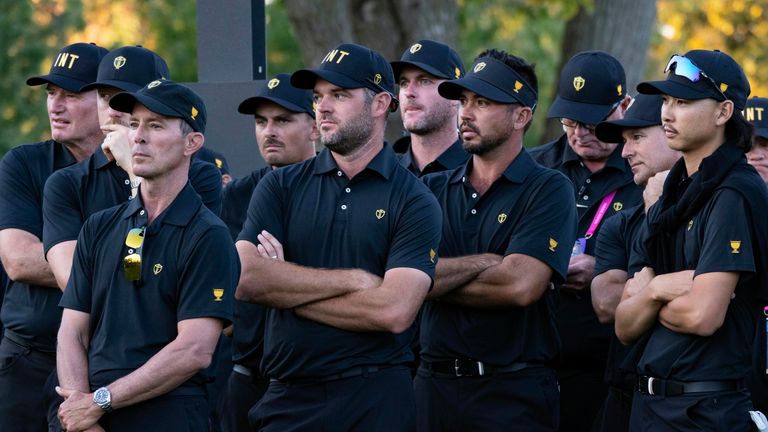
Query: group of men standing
452, 281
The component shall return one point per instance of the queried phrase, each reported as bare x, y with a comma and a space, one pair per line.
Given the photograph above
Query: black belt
660, 387
467, 367
349, 373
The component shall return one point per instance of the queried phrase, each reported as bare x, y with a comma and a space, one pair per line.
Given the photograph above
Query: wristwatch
103, 398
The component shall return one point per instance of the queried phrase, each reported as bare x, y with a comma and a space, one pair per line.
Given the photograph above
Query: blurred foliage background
32, 31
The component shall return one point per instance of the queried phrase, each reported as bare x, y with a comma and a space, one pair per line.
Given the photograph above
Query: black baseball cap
73, 67
213, 157
280, 91
590, 86
433, 57
492, 79
645, 111
129, 68
351, 66
720, 72
166, 98
756, 112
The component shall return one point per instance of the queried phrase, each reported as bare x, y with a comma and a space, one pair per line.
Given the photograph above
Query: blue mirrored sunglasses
685, 67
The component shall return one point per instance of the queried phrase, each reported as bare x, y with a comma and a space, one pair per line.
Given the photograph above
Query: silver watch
103, 398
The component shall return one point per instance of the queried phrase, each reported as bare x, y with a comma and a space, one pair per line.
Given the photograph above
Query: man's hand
654, 188
639, 281
78, 412
117, 146
581, 270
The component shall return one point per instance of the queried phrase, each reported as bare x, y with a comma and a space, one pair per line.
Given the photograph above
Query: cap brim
125, 102
761, 132
674, 89
612, 131
248, 106
122, 85
582, 112
65, 82
452, 90
397, 68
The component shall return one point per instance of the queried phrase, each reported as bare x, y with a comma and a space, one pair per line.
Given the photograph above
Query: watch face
101, 396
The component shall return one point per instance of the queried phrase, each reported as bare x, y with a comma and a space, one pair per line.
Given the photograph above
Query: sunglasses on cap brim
686, 68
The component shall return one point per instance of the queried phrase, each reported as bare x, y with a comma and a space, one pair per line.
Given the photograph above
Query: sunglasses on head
132, 262
686, 68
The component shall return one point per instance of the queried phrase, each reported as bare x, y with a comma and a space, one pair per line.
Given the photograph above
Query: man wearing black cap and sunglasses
694, 307
592, 88
151, 285
285, 134
487, 335
342, 248
30, 310
432, 144
645, 148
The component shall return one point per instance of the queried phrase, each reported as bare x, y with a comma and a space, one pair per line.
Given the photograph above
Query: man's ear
193, 142
724, 112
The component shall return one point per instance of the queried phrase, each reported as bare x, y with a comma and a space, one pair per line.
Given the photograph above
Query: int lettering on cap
66, 60
329, 58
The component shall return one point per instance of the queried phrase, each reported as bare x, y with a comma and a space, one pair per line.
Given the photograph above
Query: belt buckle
457, 368
650, 386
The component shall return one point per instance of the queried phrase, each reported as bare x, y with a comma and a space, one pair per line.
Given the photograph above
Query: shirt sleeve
727, 245
548, 229
21, 201
611, 250
209, 277
62, 219
79, 292
205, 178
265, 210
417, 234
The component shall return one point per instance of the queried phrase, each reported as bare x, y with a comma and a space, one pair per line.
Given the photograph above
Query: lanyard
599, 215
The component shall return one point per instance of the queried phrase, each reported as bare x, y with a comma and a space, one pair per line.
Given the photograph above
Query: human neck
83, 149
158, 193
427, 148
487, 168
353, 163
595, 165
694, 156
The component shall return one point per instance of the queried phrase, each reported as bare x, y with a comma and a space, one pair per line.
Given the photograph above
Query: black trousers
23, 372
526, 400
582, 392
614, 415
711, 412
380, 401
163, 414
240, 395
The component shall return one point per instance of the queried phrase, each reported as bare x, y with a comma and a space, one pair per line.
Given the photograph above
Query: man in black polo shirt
30, 313
592, 88
646, 150
106, 179
285, 134
694, 306
430, 119
342, 248
488, 331
151, 285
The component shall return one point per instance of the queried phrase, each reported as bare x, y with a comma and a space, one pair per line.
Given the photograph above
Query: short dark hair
519, 65
738, 131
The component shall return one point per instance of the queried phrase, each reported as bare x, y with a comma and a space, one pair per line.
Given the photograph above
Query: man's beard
486, 144
351, 135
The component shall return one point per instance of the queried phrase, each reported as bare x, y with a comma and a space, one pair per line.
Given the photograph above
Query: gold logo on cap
501, 217
380, 213
735, 245
518, 86
194, 113
119, 62
478, 67
274, 82
552, 244
723, 87
617, 206
578, 83
457, 72
415, 48
377, 79
218, 293
432, 255
219, 163
619, 88
157, 268
154, 84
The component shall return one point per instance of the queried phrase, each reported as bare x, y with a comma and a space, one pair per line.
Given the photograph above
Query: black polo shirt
735, 213
522, 213
453, 157
75, 193
248, 331
30, 311
187, 257
585, 340
383, 218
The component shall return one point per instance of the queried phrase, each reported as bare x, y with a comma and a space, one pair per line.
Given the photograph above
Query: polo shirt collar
179, 213
62, 157
452, 157
516, 172
384, 163
100, 159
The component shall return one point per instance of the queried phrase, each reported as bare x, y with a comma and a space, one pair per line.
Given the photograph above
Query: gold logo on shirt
735, 245
432, 255
118, 62
415, 48
218, 293
578, 83
617, 206
380, 213
502, 217
552, 244
274, 82
157, 268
